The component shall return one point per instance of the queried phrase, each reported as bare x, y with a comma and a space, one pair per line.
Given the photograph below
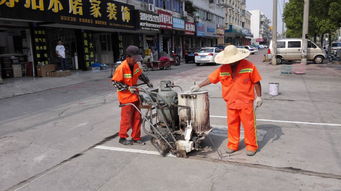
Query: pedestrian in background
60, 51
240, 79
125, 79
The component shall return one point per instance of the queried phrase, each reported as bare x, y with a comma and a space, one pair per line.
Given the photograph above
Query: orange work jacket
125, 75
239, 91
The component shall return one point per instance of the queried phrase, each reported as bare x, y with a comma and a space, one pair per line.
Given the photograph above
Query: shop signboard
95, 13
210, 30
234, 29
149, 21
178, 23
166, 21
201, 29
220, 32
189, 28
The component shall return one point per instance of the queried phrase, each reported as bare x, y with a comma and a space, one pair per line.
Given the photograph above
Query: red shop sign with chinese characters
166, 21
189, 28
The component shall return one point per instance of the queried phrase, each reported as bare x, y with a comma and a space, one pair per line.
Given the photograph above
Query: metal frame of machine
169, 131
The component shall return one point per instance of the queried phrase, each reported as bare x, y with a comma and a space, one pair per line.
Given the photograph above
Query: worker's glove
150, 85
119, 85
195, 88
258, 101
132, 89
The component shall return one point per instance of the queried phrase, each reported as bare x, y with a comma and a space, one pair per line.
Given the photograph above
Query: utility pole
305, 32
283, 26
274, 32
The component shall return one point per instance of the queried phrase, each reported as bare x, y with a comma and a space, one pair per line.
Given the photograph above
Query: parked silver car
206, 55
291, 49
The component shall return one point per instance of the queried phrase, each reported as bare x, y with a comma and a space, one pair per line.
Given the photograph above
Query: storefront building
92, 31
189, 38
234, 35
178, 34
206, 33
165, 37
150, 28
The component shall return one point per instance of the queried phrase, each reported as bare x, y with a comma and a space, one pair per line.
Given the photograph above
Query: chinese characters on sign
107, 13
112, 11
75, 7
8, 3
178, 23
190, 28
95, 8
166, 21
34, 5
125, 14
40, 46
55, 5
149, 22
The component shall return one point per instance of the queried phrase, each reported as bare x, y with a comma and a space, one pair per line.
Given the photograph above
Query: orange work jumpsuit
130, 117
239, 94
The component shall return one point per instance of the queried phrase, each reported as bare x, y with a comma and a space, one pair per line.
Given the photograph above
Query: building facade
260, 27
237, 21
98, 31
92, 31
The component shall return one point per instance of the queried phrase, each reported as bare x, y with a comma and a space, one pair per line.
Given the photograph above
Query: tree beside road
324, 18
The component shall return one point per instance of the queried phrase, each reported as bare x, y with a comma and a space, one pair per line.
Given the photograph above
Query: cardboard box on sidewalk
59, 73
42, 71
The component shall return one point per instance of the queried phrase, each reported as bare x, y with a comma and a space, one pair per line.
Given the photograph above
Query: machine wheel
198, 64
318, 59
161, 146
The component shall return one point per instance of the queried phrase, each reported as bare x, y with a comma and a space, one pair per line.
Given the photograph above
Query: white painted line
130, 150
283, 121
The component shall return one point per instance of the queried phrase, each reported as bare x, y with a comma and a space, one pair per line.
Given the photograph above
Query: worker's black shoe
124, 141
230, 151
138, 142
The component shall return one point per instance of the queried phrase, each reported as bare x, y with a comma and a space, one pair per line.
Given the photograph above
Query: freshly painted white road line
283, 121
130, 150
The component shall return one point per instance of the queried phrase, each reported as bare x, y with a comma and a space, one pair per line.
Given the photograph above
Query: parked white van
291, 49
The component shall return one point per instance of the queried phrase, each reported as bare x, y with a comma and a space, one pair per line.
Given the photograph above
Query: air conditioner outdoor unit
151, 7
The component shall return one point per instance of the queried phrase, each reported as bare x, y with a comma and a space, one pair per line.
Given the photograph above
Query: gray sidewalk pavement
21, 86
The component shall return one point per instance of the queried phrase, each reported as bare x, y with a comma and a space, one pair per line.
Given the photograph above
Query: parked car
206, 55
252, 50
336, 46
189, 55
291, 49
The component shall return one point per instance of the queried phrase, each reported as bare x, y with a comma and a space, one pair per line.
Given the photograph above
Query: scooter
176, 58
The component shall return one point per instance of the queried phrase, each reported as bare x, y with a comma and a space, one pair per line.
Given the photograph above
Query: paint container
273, 89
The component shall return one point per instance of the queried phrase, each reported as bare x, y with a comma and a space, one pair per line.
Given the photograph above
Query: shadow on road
267, 133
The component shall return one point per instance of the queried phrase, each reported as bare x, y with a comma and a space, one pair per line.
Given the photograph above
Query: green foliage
324, 17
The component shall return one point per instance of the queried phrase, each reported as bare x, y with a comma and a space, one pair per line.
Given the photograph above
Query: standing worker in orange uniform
240, 79
125, 79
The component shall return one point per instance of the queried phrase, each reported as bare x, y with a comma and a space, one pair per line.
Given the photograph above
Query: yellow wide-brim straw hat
231, 54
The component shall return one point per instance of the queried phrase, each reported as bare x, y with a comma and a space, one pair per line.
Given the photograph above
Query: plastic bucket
273, 89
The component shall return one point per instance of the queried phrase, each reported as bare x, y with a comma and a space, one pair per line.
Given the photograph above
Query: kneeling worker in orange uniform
125, 79
239, 79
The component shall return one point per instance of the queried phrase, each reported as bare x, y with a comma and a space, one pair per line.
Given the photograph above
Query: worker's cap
134, 52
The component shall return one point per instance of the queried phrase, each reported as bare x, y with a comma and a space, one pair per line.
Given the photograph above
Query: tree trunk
315, 37
322, 39
329, 41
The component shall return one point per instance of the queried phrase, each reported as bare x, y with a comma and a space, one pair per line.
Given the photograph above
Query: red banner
166, 21
189, 28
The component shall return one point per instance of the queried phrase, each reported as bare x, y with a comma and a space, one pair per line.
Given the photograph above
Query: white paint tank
199, 104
